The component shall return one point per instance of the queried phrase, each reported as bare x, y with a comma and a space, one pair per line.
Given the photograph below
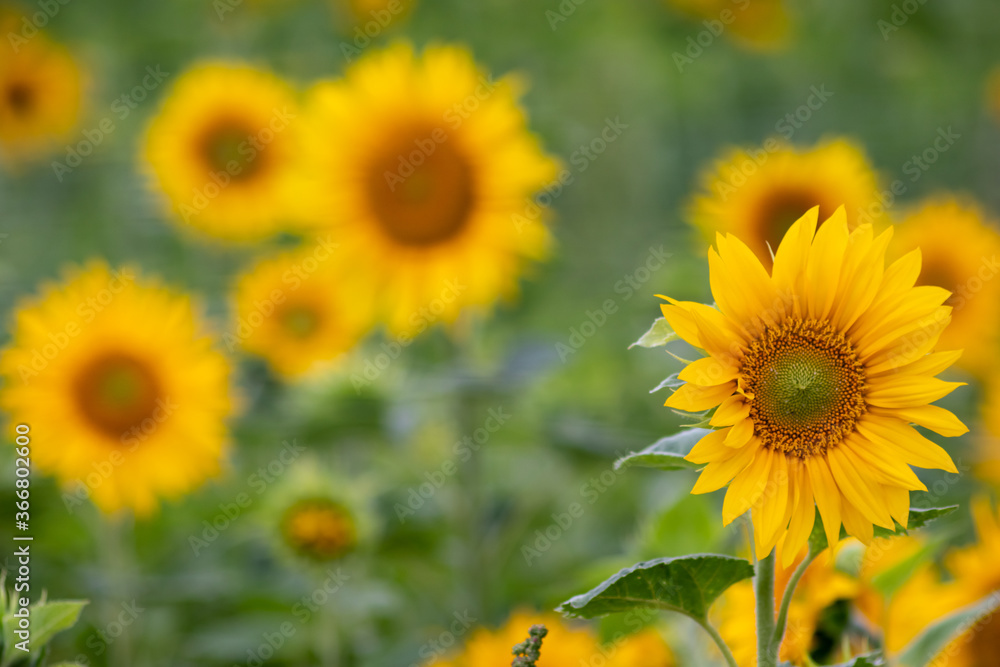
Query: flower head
816, 371
423, 169
124, 392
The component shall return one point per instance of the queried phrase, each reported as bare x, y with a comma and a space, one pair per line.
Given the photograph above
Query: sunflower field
544, 333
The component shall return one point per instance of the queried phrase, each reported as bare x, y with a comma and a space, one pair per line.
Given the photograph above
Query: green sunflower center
230, 147
116, 393
319, 528
421, 188
808, 387
300, 321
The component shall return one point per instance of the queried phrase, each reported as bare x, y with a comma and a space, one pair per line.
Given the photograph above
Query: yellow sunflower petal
720, 472
695, 398
908, 391
931, 417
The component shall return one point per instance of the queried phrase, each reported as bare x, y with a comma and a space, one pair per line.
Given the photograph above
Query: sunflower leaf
659, 334
667, 453
918, 519
929, 643
688, 585
875, 659
671, 381
47, 620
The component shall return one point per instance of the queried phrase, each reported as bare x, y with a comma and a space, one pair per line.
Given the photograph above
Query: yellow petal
826, 258
719, 473
904, 442
775, 500
931, 417
708, 371
790, 259
856, 524
746, 488
740, 434
907, 391
695, 398
733, 409
857, 486
828, 497
803, 513
710, 448
887, 468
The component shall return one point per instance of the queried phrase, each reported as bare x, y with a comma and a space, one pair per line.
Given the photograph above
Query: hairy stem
786, 599
719, 641
767, 650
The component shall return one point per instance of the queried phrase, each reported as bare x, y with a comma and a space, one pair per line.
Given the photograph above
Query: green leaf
47, 620
867, 660
659, 334
667, 453
922, 650
918, 519
671, 381
688, 585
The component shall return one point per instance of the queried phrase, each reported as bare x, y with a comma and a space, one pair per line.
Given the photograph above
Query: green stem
786, 599
767, 652
719, 641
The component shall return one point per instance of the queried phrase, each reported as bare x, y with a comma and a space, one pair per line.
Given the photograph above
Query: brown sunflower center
983, 642
115, 393
808, 387
20, 98
231, 146
421, 189
782, 209
320, 529
938, 274
301, 321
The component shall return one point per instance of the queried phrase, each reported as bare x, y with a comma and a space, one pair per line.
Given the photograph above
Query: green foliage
46, 620
922, 650
667, 453
658, 334
918, 519
688, 585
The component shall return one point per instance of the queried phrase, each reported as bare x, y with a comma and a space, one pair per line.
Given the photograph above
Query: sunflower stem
719, 641
786, 599
767, 650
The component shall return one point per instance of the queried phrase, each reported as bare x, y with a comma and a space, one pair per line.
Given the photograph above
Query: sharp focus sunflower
816, 372
424, 170
122, 390
959, 253
223, 150
41, 91
758, 193
299, 311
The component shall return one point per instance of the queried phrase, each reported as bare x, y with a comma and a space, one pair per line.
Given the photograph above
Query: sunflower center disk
320, 529
808, 386
781, 210
421, 189
20, 98
116, 393
228, 148
300, 321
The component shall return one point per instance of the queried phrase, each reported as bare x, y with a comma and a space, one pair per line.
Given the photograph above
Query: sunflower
757, 194
423, 170
223, 150
319, 528
124, 393
41, 91
383, 12
761, 24
960, 253
298, 310
815, 614
817, 371
988, 443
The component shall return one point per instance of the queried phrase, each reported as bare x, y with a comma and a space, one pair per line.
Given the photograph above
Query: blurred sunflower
223, 150
299, 310
645, 648
761, 24
41, 91
431, 172
757, 194
384, 12
988, 444
960, 251
817, 371
120, 386
816, 615
317, 516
